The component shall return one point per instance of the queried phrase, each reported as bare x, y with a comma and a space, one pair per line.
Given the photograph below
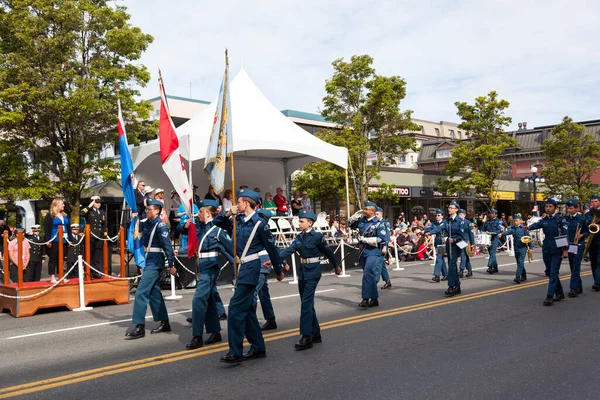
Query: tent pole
347, 197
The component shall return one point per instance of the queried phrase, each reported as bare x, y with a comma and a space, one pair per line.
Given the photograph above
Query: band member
493, 226
593, 217
262, 289
578, 233
96, 218
440, 261
555, 227
158, 250
521, 248
383, 273
253, 236
465, 261
310, 245
373, 242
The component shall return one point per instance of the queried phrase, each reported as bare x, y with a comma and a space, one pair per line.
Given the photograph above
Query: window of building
437, 132
459, 134
401, 159
422, 128
442, 153
451, 133
412, 159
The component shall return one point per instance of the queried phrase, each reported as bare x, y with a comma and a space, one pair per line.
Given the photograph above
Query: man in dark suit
97, 220
140, 199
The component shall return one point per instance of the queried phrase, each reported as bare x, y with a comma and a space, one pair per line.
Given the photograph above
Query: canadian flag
172, 163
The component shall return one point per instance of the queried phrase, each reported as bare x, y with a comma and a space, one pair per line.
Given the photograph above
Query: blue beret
155, 203
379, 209
516, 216
438, 211
572, 203
595, 196
264, 213
462, 211
307, 215
552, 201
454, 203
209, 203
247, 193
493, 211
370, 204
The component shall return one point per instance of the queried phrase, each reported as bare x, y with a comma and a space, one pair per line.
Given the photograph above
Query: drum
483, 239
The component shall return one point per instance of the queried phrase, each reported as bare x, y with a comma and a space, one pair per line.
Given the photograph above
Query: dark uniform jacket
310, 244
97, 220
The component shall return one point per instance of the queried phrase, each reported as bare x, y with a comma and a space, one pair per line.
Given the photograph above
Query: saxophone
593, 228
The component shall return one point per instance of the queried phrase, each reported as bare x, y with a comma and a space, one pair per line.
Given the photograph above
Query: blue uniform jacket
577, 221
589, 219
217, 240
383, 223
518, 232
438, 238
457, 229
552, 226
492, 226
370, 228
263, 240
469, 233
161, 239
309, 245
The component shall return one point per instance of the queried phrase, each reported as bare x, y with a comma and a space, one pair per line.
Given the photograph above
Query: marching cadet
578, 232
593, 217
384, 272
310, 245
158, 248
554, 248
36, 255
211, 244
465, 261
456, 230
493, 226
253, 236
262, 289
96, 218
75, 249
373, 247
521, 248
440, 261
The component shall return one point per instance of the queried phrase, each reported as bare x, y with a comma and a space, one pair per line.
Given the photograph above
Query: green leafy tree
384, 194
366, 108
476, 164
572, 155
62, 65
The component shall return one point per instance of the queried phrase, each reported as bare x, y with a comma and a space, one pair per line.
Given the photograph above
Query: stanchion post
173, 296
295, 281
61, 253
105, 257
398, 268
342, 252
20, 255
6, 259
88, 276
82, 306
122, 250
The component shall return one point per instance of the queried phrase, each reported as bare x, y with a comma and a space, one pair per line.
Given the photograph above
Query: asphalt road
495, 341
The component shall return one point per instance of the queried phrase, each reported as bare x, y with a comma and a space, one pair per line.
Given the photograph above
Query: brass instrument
355, 217
469, 249
526, 240
593, 228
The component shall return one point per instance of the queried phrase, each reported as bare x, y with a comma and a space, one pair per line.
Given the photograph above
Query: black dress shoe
223, 317
523, 278
364, 303
269, 325
388, 285
436, 279
251, 355
213, 338
573, 293
196, 343
517, 280
596, 288
449, 292
461, 273
189, 320
373, 303
444, 278
489, 271
495, 270
316, 337
549, 301
137, 332
304, 343
164, 326
559, 297
230, 359
457, 290
469, 273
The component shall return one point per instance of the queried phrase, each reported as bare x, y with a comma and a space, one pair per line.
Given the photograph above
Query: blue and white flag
134, 243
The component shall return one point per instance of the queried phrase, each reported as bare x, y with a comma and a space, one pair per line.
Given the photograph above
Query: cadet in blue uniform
310, 245
594, 251
465, 261
440, 261
253, 236
262, 289
158, 247
211, 244
493, 226
521, 248
456, 230
578, 233
553, 225
383, 273
373, 242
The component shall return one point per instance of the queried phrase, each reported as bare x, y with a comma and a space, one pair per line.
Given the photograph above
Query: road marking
504, 265
96, 373
74, 328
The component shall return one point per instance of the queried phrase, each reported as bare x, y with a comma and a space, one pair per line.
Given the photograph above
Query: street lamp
535, 179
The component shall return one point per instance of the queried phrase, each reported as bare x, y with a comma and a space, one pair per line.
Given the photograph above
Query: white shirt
226, 204
246, 219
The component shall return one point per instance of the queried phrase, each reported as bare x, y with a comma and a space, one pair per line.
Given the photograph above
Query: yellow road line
95, 373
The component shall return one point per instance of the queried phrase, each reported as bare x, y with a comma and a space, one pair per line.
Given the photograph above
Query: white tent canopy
267, 146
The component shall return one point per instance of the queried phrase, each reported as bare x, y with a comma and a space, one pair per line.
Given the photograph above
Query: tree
476, 164
572, 155
365, 106
385, 193
62, 65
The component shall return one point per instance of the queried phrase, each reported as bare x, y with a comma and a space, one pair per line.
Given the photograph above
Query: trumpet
526, 240
355, 217
593, 228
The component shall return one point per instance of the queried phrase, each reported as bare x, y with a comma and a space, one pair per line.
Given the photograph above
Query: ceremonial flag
220, 145
172, 163
134, 243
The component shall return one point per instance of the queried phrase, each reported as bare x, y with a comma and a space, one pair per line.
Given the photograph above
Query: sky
541, 56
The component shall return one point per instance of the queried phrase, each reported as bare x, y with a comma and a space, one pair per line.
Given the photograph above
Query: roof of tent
260, 131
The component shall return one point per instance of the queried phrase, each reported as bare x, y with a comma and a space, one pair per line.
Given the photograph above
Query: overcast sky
541, 56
